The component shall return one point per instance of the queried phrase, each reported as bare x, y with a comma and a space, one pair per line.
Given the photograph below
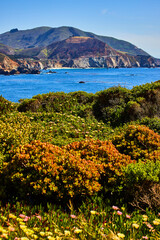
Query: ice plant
120, 235
115, 208
135, 225
119, 213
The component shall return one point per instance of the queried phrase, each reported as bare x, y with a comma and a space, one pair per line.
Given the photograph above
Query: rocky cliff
85, 52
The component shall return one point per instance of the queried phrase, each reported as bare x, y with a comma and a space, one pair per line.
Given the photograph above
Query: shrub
59, 102
110, 104
42, 168
102, 152
137, 141
152, 123
6, 106
142, 184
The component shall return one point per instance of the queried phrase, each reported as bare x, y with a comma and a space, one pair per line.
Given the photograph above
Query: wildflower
121, 235
3, 218
145, 217
77, 230
115, 208
67, 233
56, 230
156, 221
144, 237
11, 229
39, 217
119, 213
26, 219
128, 216
149, 225
51, 238
12, 216
34, 236
36, 229
4, 235
73, 216
93, 212
42, 234
135, 225
23, 227
24, 238
22, 215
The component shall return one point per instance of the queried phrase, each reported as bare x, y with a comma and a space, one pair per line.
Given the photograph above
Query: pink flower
26, 219
128, 216
119, 213
39, 217
22, 215
115, 208
73, 216
144, 237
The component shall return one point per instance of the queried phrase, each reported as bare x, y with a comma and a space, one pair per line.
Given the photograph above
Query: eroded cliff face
7, 64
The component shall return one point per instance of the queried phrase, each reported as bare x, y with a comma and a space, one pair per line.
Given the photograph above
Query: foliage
59, 102
6, 106
93, 221
137, 141
102, 152
57, 147
142, 184
116, 105
42, 168
152, 123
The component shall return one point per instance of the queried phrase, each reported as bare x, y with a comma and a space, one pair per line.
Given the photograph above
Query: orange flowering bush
102, 152
43, 168
137, 141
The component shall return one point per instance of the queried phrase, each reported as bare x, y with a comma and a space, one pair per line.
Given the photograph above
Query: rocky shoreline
31, 66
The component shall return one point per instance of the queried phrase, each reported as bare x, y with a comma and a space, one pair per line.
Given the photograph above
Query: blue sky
135, 21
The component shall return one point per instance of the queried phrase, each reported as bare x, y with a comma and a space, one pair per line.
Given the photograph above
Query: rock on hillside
10, 67
6, 64
87, 52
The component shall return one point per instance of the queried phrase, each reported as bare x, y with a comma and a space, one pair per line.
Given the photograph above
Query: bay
16, 87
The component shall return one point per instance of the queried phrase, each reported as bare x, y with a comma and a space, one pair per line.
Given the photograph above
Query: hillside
44, 36
84, 52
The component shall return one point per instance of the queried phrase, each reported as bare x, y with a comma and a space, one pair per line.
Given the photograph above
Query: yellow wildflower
135, 225
145, 217
67, 233
121, 235
77, 230
42, 234
12, 216
93, 212
51, 238
156, 221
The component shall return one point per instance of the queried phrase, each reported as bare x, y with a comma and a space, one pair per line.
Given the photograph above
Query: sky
135, 21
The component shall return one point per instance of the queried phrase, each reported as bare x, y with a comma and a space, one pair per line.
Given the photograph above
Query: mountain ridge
44, 36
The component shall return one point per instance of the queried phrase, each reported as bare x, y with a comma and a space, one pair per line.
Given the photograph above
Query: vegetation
83, 166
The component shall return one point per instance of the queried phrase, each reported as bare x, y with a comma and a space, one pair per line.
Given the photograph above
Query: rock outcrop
10, 67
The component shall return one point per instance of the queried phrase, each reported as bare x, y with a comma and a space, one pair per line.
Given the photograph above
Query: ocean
16, 87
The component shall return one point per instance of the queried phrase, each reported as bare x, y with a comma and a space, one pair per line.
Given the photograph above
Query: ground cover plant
83, 166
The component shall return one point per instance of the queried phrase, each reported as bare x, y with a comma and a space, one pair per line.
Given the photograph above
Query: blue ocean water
22, 86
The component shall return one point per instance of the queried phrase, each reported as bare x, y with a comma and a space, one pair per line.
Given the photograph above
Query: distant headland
29, 51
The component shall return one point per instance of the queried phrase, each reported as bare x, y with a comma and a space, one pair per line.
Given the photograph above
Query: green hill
44, 36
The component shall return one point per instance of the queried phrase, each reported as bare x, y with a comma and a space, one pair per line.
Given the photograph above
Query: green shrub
137, 141
142, 187
152, 123
6, 106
